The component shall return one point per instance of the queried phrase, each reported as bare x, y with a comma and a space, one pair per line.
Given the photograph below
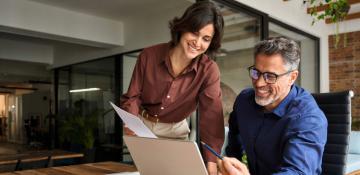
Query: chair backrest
337, 109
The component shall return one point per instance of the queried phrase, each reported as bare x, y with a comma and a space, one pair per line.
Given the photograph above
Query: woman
171, 80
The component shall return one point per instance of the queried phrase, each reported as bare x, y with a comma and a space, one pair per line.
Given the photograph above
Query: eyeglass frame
264, 73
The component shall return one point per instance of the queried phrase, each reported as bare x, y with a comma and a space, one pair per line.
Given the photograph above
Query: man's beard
264, 101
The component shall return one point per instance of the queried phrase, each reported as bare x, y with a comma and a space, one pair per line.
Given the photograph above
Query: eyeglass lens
268, 77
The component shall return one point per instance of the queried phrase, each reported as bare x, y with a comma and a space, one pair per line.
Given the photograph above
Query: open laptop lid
163, 156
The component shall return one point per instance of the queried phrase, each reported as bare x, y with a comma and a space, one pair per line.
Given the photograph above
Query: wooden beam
325, 6
318, 8
348, 17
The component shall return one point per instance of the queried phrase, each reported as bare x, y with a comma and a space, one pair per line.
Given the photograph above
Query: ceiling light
84, 90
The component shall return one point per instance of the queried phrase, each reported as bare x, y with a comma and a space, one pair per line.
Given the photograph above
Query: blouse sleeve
211, 113
131, 100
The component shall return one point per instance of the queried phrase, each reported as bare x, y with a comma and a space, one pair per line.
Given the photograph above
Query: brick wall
344, 62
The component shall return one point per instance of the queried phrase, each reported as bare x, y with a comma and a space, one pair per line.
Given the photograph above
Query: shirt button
162, 108
168, 96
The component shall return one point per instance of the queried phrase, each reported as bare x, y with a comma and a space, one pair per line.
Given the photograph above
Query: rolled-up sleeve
211, 113
305, 146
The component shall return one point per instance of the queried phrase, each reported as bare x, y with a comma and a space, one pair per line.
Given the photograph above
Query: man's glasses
269, 77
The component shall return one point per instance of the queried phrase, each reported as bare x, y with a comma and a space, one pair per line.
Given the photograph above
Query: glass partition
85, 117
129, 61
241, 33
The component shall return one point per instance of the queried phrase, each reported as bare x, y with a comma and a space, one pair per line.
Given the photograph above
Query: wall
139, 32
25, 51
16, 71
44, 21
345, 68
24, 22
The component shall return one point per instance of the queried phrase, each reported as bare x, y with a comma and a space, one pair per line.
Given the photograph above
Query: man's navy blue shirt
288, 140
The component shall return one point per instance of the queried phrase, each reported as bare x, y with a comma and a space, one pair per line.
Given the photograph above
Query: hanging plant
334, 10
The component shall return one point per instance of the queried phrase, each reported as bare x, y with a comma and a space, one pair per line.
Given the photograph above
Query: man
276, 123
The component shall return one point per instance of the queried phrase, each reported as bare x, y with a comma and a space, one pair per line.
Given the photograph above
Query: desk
100, 168
32, 156
357, 172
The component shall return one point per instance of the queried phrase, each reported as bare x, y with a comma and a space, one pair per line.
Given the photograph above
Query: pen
211, 150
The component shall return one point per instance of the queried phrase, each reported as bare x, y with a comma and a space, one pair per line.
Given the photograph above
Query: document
134, 123
125, 173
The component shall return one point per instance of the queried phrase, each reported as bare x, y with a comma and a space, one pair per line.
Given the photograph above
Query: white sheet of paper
125, 173
134, 123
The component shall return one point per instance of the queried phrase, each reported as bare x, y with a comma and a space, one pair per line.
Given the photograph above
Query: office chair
337, 109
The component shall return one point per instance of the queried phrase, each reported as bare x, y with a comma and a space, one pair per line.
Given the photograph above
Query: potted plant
78, 131
335, 11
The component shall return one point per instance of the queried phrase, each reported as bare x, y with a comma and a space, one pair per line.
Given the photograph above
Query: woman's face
196, 43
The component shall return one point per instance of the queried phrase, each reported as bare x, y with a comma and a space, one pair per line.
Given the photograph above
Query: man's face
271, 94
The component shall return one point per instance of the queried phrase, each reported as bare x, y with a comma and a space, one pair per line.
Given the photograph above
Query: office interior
64, 67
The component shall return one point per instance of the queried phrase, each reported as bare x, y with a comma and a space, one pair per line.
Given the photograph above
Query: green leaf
322, 16
244, 158
79, 129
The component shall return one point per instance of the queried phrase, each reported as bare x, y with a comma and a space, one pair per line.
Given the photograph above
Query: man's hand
232, 166
211, 168
128, 131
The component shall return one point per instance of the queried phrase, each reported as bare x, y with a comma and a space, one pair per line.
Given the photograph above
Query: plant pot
89, 155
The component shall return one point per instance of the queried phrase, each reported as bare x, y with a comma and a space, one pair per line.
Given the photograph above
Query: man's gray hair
287, 48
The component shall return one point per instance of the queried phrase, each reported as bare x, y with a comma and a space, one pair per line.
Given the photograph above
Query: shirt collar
281, 109
166, 57
194, 64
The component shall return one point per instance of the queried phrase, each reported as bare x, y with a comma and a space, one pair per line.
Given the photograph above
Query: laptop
155, 156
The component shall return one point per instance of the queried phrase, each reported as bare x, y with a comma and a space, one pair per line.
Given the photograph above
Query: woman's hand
128, 131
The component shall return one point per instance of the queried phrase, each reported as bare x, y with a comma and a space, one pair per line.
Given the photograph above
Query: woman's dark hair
196, 17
